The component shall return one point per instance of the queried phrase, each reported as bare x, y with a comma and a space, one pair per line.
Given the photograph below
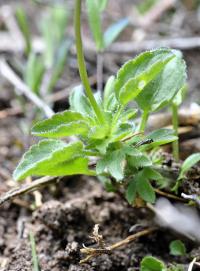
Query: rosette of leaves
152, 79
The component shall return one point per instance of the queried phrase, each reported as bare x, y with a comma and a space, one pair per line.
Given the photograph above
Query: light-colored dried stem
18, 191
12, 77
94, 252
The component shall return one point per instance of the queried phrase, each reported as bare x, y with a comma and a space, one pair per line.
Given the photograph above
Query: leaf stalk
81, 62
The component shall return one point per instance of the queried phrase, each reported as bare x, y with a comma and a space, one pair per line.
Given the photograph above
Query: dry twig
10, 75
103, 249
35, 185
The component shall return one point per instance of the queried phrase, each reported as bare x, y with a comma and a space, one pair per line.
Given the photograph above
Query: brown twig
10, 112
168, 195
37, 184
94, 252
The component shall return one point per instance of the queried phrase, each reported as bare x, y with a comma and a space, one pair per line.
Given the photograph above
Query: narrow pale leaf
188, 163
94, 15
113, 31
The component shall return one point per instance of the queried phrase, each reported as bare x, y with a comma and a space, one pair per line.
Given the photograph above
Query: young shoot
106, 127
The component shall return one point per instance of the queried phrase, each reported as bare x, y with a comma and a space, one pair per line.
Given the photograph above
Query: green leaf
137, 73
113, 163
53, 27
131, 191
128, 114
150, 263
94, 16
98, 132
123, 130
188, 163
102, 4
23, 23
114, 31
177, 248
144, 188
62, 124
160, 91
139, 160
54, 158
160, 137
180, 96
152, 174
110, 102
61, 58
34, 72
79, 102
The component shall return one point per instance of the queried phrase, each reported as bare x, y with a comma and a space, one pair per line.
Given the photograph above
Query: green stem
143, 123
175, 144
81, 62
34, 253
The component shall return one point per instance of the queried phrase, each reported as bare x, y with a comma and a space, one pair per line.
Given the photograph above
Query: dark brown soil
61, 227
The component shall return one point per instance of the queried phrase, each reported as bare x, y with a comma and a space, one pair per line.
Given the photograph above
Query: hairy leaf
160, 91
137, 73
62, 124
113, 163
188, 163
52, 157
79, 102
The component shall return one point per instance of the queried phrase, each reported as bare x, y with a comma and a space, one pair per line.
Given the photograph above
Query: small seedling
49, 63
185, 167
34, 253
102, 39
106, 127
150, 263
177, 248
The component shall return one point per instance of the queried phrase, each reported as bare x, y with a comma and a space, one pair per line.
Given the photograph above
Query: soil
71, 208
61, 227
